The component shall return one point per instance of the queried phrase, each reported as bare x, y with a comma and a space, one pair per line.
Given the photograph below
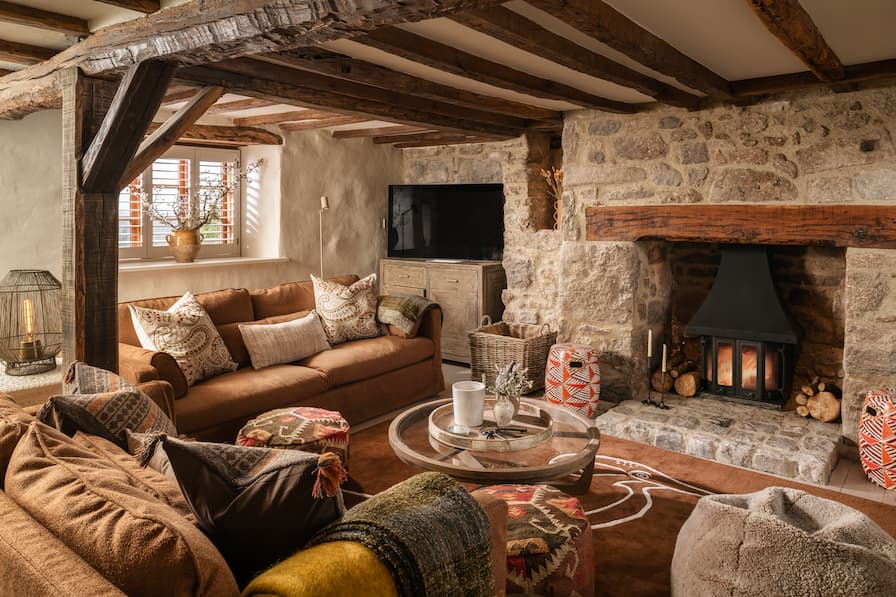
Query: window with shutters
185, 178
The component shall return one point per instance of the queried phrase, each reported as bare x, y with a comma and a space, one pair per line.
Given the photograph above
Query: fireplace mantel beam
866, 226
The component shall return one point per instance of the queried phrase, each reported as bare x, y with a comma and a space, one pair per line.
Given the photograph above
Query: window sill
169, 265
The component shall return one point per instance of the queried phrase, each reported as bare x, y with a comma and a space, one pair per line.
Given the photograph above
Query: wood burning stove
749, 341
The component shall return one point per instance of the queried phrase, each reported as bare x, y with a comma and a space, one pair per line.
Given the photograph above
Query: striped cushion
285, 342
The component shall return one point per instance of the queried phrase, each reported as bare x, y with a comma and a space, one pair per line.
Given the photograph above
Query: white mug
469, 403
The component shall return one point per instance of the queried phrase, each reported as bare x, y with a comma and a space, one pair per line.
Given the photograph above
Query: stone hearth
767, 441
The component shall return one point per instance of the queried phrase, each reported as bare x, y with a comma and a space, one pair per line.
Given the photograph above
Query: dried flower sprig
554, 178
510, 381
186, 214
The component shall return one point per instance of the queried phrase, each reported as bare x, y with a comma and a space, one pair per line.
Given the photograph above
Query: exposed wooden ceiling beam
380, 131
288, 86
791, 24
42, 19
324, 62
518, 31
855, 73
17, 53
445, 140
207, 134
203, 31
291, 116
171, 130
431, 53
237, 105
421, 136
136, 101
144, 6
177, 96
308, 125
604, 23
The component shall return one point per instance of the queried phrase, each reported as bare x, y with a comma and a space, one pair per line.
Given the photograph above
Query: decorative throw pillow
186, 332
257, 505
111, 407
403, 313
347, 312
284, 342
105, 515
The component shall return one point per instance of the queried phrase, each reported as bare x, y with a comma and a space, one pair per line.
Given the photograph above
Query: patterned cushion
549, 548
103, 404
186, 332
284, 342
347, 312
255, 504
304, 428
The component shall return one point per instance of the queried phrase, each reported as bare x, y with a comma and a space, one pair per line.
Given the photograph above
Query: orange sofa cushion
244, 393
290, 297
364, 359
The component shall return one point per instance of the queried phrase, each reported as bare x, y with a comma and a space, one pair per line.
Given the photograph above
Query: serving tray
535, 420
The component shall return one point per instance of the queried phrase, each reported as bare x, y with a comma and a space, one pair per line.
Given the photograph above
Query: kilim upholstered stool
303, 428
549, 549
572, 378
877, 437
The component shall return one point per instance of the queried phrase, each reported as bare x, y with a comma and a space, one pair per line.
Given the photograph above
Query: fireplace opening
749, 341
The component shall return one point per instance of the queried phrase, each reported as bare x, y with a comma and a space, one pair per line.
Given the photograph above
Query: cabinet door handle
404, 276
452, 280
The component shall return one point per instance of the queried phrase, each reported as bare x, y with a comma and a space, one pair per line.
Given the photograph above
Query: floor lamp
324, 206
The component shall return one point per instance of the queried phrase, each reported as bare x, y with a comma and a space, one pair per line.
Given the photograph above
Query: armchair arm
431, 327
138, 365
350, 568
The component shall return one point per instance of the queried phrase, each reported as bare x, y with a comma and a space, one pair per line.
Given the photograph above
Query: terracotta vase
184, 244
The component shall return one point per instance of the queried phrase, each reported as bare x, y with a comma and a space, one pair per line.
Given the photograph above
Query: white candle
324, 202
664, 358
649, 343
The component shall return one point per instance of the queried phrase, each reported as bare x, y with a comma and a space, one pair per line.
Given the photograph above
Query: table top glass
572, 446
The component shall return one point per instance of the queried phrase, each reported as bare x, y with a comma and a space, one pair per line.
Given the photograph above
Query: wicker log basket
500, 343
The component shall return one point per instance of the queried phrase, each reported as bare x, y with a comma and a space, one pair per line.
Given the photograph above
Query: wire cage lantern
30, 321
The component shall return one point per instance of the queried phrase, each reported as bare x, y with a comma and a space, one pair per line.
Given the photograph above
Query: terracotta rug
639, 499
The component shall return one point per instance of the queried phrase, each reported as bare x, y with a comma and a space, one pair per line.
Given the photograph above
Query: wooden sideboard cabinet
466, 290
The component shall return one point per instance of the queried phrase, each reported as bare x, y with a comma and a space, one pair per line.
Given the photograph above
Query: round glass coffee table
565, 459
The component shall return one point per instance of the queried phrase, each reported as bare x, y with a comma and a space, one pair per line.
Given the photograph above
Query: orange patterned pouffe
549, 549
877, 437
572, 378
303, 428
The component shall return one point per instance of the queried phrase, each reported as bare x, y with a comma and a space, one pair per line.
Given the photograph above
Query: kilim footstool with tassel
877, 437
549, 548
303, 428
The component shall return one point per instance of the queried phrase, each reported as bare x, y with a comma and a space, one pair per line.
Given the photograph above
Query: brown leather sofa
35, 561
362, 379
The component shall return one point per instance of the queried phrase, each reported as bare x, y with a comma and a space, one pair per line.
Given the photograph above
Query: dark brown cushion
255, 504
244, 393
141, 545
363, 359
290, 297
14, 423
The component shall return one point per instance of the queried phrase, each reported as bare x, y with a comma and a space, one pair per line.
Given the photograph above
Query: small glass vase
505, 409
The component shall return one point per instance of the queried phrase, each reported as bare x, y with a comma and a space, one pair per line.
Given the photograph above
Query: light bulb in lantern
28, 308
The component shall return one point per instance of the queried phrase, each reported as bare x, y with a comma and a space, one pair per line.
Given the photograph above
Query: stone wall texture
813, 147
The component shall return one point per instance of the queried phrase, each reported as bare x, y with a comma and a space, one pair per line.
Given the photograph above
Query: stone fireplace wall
813, 147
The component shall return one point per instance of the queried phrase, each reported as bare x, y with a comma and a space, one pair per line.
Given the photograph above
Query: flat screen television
454, 221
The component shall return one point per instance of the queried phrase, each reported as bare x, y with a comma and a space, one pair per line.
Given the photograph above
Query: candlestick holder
662, 401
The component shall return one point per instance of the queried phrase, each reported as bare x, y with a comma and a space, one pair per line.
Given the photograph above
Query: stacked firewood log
817, 399
682, 374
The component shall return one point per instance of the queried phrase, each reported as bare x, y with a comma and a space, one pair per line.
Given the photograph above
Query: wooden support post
89, 232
